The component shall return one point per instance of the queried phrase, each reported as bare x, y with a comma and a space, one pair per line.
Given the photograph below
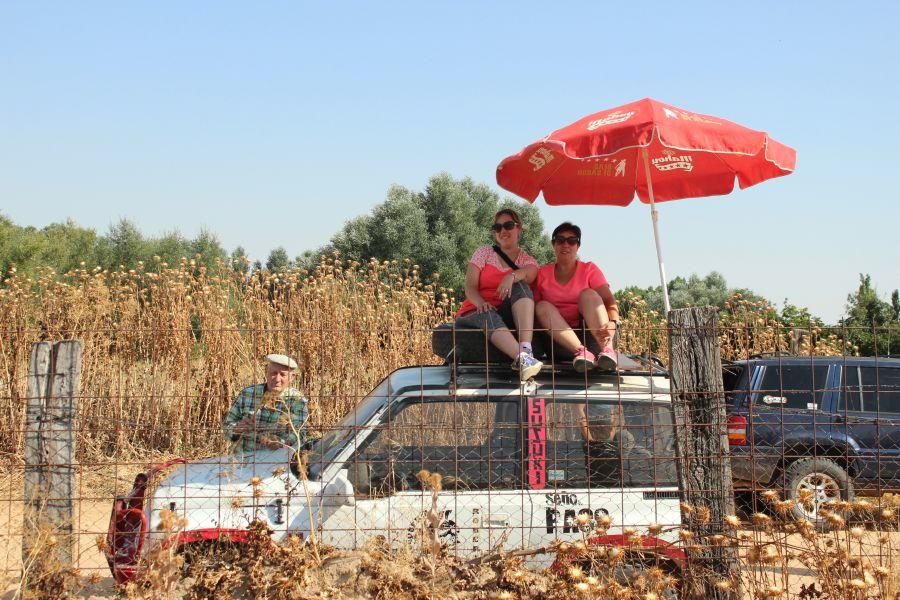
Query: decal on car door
537, 443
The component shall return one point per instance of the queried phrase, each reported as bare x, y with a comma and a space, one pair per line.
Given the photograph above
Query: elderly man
271, 414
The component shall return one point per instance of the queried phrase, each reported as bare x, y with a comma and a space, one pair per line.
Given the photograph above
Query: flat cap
282, 359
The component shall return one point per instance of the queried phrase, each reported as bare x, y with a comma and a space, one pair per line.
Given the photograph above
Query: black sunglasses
570, 240
507, 225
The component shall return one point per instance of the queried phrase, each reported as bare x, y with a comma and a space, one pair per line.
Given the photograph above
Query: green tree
68, 246
123, 245
170, 248
711, 290
62, 246
872, 324
239, 260
207, 246
438, 228
278, 260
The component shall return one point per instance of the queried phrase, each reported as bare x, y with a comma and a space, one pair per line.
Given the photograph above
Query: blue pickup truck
826, 425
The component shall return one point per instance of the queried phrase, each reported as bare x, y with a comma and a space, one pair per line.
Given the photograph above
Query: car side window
880, 389
609, 445
851, 395
474, 445
793, 386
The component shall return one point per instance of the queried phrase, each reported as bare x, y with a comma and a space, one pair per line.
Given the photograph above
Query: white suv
522, 465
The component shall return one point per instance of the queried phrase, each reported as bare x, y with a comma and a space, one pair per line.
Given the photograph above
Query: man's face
278, 377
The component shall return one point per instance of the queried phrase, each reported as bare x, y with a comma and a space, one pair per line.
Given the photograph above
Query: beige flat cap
282, 359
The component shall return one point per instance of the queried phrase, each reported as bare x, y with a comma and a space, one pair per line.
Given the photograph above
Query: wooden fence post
704, 468
54, 377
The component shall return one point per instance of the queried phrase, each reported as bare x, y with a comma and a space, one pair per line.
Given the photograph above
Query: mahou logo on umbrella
610, 119
669, 161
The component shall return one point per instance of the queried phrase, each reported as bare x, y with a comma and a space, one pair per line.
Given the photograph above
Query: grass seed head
576, 572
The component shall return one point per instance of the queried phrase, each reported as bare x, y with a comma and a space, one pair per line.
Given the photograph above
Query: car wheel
627, 572
820, 480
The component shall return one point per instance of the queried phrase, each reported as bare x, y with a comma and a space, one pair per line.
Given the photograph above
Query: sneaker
607, 360
527, 365
583, 361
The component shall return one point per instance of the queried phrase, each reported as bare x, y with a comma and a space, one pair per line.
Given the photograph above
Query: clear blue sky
272, 123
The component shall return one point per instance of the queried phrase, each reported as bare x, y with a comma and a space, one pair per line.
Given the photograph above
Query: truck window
880, 389
473, 444
851, 394
889, 390
802, 386
609, 445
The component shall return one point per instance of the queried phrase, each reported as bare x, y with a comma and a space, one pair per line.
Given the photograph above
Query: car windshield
325, 449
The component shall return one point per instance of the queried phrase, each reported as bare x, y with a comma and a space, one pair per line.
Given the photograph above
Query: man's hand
244, 425
270, 442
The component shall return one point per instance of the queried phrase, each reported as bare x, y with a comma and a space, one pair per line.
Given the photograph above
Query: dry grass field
166, 347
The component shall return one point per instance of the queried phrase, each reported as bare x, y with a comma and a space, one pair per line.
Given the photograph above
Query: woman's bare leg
561, 332
506, 342
523, 316
592, 309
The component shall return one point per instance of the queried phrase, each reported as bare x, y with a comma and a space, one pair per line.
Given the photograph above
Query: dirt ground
96, 488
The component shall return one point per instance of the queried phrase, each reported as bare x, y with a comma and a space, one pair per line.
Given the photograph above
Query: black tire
828, 480
627, 571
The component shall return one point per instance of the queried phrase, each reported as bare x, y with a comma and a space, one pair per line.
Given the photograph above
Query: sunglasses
570, 240
507, 225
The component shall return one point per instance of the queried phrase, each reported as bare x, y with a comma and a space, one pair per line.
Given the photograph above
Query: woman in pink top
569, 291
498, 296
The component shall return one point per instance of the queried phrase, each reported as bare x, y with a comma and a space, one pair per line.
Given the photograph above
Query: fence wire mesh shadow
455, 459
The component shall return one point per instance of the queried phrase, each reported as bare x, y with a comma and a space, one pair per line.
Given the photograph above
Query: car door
474, 444
605, 458
786, 413
867, 416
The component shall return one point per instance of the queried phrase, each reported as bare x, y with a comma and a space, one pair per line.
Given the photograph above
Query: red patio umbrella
654, 149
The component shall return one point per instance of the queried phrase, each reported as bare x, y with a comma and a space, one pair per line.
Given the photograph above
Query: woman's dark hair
509, 213
566, 226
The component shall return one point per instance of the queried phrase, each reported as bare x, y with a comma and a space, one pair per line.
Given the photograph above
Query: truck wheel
629, 570
825, 479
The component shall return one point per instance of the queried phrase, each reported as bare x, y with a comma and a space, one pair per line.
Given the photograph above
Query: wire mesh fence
450, 458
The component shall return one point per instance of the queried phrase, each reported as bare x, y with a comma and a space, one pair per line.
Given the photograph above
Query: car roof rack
629, 364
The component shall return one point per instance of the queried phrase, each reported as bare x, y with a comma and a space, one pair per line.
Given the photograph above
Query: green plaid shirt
274, 421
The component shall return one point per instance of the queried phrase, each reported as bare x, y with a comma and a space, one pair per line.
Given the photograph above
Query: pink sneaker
583, 361
607, 360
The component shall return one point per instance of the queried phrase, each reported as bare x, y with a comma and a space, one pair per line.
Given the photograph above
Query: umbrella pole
654, 216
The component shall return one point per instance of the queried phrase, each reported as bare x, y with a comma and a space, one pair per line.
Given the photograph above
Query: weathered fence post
54, 376
704, 468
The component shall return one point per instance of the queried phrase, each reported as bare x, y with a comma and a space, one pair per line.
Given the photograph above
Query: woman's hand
607, 333
504, 290
483, 306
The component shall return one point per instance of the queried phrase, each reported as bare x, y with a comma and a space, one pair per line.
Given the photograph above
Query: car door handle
501, 519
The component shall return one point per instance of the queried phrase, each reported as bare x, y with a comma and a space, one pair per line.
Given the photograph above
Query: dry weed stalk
168, 346
162, 568
434, 518
44, 576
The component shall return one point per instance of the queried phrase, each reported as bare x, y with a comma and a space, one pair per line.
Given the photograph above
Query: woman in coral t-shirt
498, 297
569, 291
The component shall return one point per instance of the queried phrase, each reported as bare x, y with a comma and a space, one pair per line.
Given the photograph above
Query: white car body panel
219, 494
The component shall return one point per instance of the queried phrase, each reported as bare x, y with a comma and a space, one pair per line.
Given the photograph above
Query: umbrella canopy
649, 148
